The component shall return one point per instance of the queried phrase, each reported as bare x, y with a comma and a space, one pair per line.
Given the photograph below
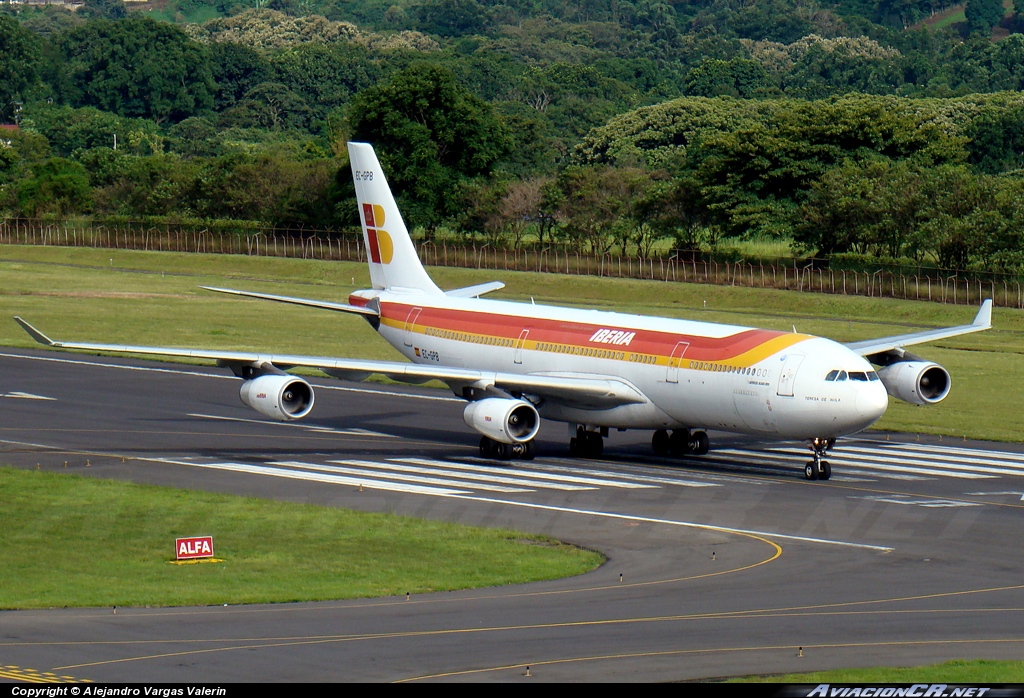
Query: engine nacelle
280, 397
503, 419
917, 382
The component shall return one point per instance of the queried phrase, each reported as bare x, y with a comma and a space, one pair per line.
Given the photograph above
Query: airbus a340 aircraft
515, 363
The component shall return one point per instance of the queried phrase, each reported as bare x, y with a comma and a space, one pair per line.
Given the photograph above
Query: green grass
74, 541
152, 298
954, 18
979, 672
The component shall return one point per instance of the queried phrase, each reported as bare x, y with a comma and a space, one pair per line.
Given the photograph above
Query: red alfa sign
191, 548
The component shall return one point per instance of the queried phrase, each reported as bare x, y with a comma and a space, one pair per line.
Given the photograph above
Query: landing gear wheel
586, 444
486, 451
679, 442
700, 443
819, 468
524, 450
660, 442
500, 451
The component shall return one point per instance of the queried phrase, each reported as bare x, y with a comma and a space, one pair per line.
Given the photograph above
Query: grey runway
729, 563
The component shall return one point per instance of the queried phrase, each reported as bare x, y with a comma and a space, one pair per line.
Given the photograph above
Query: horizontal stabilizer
475, 291
323, 305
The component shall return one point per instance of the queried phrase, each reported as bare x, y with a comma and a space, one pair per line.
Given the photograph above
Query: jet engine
917, 382
278, 396
505, 420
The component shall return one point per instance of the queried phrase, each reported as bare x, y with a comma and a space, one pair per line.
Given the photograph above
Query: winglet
34, 333
984, 316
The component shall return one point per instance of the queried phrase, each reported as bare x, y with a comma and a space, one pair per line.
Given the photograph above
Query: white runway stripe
367, 483
756, 462
876, 458
361, 468
839, 461
638, 478
941, 461
1012, 460
526, 473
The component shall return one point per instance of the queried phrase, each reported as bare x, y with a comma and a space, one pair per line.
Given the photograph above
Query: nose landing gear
819, 469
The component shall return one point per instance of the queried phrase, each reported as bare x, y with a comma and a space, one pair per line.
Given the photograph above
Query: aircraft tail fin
390, 251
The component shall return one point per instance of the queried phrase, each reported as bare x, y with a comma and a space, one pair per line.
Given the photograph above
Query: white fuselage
694, 374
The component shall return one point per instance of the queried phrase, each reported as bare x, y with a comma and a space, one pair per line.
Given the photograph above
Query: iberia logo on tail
381, 247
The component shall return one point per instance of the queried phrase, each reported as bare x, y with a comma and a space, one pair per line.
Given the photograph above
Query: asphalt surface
731, 564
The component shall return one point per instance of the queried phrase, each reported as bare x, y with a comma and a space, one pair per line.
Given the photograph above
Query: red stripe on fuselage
579, 334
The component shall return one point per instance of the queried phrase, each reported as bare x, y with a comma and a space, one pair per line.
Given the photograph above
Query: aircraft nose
872, 400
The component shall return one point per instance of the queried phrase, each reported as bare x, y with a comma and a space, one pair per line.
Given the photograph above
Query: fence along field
681, 265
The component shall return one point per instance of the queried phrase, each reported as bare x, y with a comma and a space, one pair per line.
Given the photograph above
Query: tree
739, 77
983, 15
236, 68
68, 129
450, 17
137, 67
104, 9
59, 187
19, 56
432, 133
325, 76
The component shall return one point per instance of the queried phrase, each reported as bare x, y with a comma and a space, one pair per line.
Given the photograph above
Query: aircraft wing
869, 347
587, 391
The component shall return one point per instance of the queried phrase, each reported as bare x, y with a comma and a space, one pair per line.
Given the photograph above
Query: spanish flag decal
381, 248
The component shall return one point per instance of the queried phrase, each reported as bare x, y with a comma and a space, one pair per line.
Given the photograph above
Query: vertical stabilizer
392, 256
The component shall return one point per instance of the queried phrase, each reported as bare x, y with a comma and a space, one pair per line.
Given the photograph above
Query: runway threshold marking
368, 483
579, 467
364, 468
607, 481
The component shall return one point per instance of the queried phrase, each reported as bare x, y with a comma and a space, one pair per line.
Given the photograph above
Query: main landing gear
587, 444
819, 469
489, 448
681, 442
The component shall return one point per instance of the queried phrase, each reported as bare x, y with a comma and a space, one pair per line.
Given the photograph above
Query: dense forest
841, 128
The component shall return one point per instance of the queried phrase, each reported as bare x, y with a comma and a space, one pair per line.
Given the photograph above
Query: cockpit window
872, 376
831, 375
858, 376
842, 376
